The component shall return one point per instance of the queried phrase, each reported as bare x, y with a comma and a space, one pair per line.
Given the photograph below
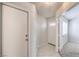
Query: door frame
57, 35
28, 33
58, 14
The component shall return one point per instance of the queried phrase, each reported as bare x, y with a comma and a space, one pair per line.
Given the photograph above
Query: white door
14, 31
52, 31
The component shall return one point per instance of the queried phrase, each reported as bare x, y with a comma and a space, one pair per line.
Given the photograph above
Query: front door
14, 43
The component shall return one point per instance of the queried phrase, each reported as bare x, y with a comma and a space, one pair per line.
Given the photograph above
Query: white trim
27, 11
56, 34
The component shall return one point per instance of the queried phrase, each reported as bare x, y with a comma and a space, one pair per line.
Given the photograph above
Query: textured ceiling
47, 9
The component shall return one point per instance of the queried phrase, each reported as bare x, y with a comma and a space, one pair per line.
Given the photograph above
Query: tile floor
47, 51
70, 50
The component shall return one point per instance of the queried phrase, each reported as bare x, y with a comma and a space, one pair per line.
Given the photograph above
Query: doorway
47, 40
15, 32
69, 45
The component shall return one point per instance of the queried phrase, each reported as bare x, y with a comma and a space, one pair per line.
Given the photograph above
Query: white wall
63, 38
42, 32
74, 30
52, 30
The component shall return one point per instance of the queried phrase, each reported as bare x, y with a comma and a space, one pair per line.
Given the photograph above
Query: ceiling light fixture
52, 24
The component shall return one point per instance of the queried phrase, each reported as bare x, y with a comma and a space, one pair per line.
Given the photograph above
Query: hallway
28, 29
48, 51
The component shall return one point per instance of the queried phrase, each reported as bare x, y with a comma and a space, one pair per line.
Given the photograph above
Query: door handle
26, 39
26, 35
